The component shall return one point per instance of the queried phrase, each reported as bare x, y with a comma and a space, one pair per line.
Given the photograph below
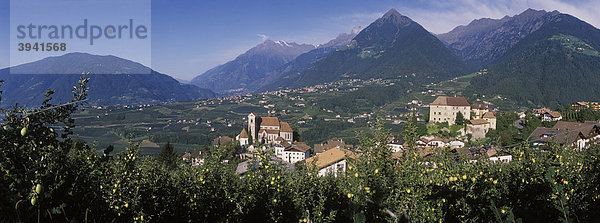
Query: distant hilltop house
265, 130
582, 105
480, 118
578, 135
547, 115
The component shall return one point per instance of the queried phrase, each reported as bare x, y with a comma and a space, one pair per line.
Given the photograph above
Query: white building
456, 144
332, 161
436, 142
547, 115
296, 152
397, 145
478, 128
478, 110
243, 138
445, 109
502, 159
279, 148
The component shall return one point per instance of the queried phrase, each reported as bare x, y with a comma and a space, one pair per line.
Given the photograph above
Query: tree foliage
168, 156
460, 119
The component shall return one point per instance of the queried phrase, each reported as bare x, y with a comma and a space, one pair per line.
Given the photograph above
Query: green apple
39, 189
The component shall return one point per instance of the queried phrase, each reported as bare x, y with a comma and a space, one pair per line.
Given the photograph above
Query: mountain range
556, 64
484, 41
289, 72
534, 58
244, 71
113, 81
392, 46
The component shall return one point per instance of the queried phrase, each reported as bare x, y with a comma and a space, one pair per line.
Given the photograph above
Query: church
265, 130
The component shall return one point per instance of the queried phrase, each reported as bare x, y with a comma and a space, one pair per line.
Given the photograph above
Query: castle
444, 109
480, 118
265, 130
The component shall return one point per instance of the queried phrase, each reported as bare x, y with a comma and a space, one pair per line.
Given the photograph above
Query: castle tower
252, 125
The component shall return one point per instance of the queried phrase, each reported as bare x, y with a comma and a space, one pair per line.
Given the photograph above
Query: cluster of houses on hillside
582, 105
577, 135
547, 115
330, 157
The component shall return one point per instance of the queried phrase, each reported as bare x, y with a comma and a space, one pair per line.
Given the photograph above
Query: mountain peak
241, 74
530, 10
393, 16
356, 30
282, 43
342, 39
531, 13
112, 81
392, 12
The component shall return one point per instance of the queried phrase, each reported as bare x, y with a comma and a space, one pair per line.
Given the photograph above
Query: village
466, 121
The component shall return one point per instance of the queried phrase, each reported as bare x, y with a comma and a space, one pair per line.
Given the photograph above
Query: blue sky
190, 37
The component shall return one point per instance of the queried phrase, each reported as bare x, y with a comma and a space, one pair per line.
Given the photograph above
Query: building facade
296, 153
445, 109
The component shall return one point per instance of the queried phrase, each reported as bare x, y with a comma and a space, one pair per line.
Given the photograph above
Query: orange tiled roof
285, 127
269, 121
299, 147
555, 114
272, 131
489, 115
478, 122
329, 157
244, 133
451, 101
479, 106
